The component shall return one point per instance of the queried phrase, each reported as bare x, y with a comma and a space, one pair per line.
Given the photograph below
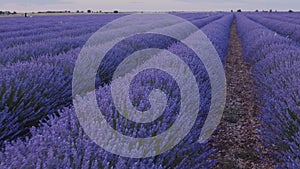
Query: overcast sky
147, 5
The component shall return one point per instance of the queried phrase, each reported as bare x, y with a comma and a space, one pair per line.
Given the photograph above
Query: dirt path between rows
236, 139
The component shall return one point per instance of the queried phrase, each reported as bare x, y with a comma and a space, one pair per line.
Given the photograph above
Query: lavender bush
30, 91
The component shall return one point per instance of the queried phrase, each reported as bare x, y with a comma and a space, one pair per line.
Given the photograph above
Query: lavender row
276, 75
289, 30
62, 143
54, 46
68, 136
218, 32
52, 35
30, 51
39, 76
55, 27
294, 15
283, 18
61, 31
64, 131
192, 16
14, 38
41, 25
20, 24
30, 91
280, 16
204, 21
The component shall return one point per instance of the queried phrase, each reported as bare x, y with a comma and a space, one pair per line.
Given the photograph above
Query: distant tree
1, 12
290, 10
270, 10
89, 11
239, 10
100, 11
115, 11
256, 10
231, 10
77, 11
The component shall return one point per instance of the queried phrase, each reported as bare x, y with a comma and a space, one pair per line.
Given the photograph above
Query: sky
148, 5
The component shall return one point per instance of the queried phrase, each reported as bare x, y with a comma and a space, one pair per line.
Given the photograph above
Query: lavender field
39, 127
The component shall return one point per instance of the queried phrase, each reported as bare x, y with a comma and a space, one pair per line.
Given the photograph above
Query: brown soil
236, 140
